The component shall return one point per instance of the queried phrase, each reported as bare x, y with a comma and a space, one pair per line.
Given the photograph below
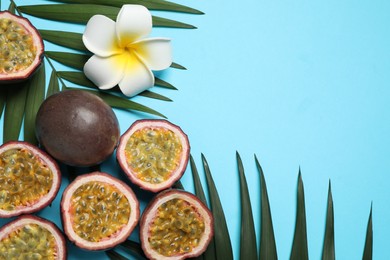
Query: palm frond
267, 249
177, 66
248, 247
35, 97
81, 13
113, 255
210, 253
3, 97
150, 94
53, 86
72, 60
14, 111
223, 246
328, 251
299, 248
134, 248
77, 78
367, 253
150, 4
123, 103
161, 83
71, 40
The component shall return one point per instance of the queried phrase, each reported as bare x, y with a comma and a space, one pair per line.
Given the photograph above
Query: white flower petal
156, 53
137, 77
105, 73
100, 37
133, 22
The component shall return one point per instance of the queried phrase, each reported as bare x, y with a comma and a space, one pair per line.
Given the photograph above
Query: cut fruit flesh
175, 225
17, 47
177, 228
30, 237
100, 210
24, 179
29, 179
21, 48
153, 153
30, 240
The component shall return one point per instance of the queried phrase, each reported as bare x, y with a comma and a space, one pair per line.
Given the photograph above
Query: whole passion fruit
31, 237
21, 48
77, 128
175, 225
98, 211
153, 154
29, 179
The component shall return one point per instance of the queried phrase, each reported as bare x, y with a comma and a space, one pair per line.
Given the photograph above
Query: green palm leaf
299, 248
73, 60
79, 78
328, 251
134, 248
161, 83
223, 247
123, 103
177, 66
367, 253
248, 247
11, 7
14, 111
267, 237
209, 254
35, 97
76, 77
54, 86
150, 94
69, 40
113, 255
3, 97
150, 4
81, 13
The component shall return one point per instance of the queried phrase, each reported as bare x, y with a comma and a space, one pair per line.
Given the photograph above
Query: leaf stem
17, 8
54, 69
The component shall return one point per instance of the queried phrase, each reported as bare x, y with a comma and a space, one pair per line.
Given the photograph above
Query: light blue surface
298, 83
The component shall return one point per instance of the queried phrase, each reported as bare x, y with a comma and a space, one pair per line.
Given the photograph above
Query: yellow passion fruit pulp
21, 48
29, 179
153, 154
31, 237
98, 211
175, 225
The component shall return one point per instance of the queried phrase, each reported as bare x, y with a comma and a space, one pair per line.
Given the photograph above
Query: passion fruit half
153, 154
21, 48
98, 211
31, 237
29, 179
77, 128
175, 225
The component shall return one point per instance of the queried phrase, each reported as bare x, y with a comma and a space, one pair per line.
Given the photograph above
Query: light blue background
298, 83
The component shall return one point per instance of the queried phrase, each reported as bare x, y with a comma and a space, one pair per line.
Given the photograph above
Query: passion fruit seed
176, 229
29, 242
100, 210
24, 179
17, 50
153, 153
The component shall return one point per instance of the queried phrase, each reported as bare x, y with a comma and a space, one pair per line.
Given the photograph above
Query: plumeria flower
123, 55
